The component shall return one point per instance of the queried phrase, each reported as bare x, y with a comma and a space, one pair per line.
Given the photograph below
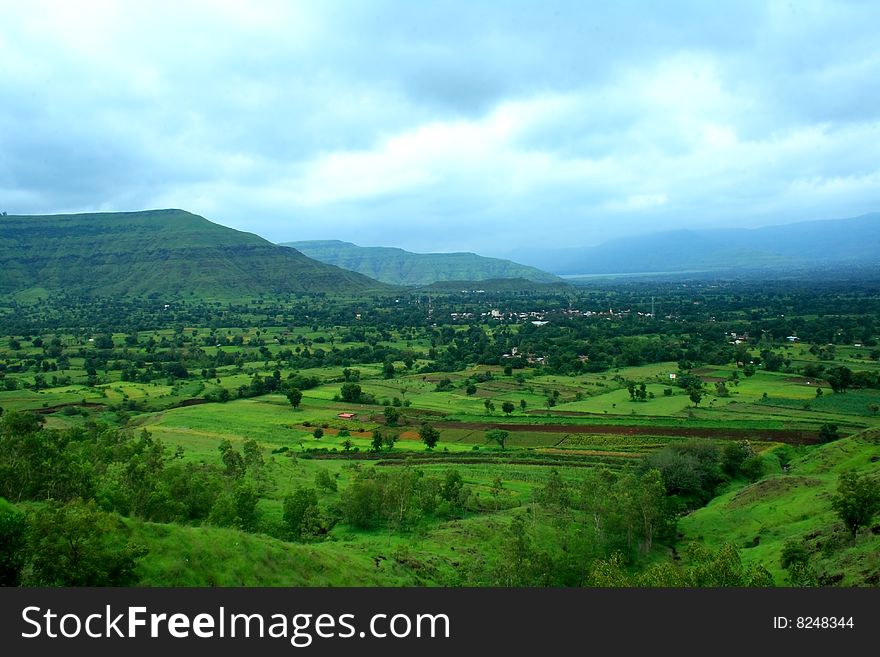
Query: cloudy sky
443, 126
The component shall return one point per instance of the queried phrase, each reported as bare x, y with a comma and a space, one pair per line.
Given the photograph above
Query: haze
446, 126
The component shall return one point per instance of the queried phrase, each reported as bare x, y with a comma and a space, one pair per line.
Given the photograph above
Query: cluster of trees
94, 469
396, 498
399, 497
66, 544
573, 523
693, 470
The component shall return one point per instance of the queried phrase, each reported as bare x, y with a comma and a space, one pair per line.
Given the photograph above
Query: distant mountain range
851, 242
164, 252
399, 267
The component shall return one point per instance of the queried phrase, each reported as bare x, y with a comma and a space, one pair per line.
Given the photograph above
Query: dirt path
793, 437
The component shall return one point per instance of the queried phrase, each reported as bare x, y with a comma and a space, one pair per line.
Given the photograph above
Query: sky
443, 126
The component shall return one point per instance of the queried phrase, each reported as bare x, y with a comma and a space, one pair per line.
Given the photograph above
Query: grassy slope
399, 267
157, 251
210, 556
797, 506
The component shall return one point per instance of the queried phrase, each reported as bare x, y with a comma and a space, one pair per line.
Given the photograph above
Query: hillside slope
399, 267
156, 252
796, 506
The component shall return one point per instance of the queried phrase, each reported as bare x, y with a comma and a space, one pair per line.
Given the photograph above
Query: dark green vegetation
156, 253
480, 438
399, 267
800, 247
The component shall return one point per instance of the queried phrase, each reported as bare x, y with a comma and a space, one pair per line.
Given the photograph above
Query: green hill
211, 556
155, 252
399, 267
796, 506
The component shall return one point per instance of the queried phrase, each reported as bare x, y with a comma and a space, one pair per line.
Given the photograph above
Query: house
346, 416
793, 338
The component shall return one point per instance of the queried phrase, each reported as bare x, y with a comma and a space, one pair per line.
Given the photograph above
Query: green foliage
392, 416
294, 396
302, 518
350, 392
324, 481
796, 561
691, 471
75, 544
733, 455
828, 433
705, 568
377, 441
13, 544
498, 436
857, 500
232, 460
236, 507
429, 435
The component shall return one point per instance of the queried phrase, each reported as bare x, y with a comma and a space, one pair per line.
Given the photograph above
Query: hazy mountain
844, 242
163, 252
399, 267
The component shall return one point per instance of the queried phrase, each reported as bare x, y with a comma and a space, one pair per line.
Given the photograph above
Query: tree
301, 516
388, 369
389, 441
350, 392
796, 560
495, 490
856, 501
840, 378
13, 544
294, 396
376, 443
318, 433
325, 481
696, 395
470, 389
733, 455
453, 491
522, 405
232, 460
392, 415
75, 544
497, 435
507, 407
828, 433
489, 405
429, 435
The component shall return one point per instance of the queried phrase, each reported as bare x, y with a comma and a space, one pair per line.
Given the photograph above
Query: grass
796, 505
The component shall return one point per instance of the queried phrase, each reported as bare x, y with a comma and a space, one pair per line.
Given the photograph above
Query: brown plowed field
793, 437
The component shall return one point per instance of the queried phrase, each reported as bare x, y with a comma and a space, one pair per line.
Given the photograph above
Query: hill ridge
398, 266
167, 251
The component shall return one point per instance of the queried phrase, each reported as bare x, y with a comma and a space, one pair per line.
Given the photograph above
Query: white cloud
442, 126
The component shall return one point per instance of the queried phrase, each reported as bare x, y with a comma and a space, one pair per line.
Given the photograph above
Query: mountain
399, 267
165, 252
853, 242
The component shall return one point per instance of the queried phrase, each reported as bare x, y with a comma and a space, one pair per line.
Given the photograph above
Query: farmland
283, 438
